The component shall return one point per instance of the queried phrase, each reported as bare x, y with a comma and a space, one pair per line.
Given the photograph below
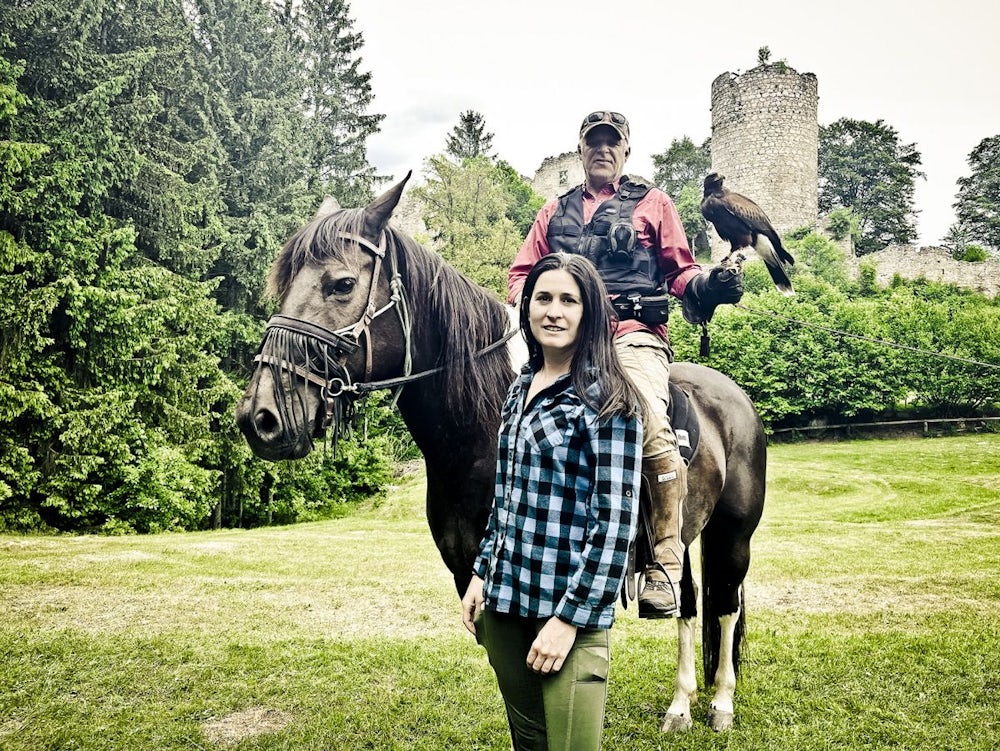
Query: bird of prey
743, 224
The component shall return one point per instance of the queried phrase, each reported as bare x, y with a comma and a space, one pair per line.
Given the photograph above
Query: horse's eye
342, 286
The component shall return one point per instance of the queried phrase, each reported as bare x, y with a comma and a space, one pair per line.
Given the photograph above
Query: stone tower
765, 142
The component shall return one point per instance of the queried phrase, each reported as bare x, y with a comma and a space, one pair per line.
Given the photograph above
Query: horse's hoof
675, 723
719, 720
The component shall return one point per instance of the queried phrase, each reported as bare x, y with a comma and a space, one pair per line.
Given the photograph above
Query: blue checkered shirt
565, 508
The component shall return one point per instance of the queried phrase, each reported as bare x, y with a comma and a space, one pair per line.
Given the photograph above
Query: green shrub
973, 254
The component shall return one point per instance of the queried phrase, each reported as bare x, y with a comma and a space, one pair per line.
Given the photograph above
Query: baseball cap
615, 120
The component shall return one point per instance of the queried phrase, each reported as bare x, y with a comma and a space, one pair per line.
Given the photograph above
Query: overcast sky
533, 69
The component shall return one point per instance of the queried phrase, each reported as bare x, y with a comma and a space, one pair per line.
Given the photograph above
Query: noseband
322, 354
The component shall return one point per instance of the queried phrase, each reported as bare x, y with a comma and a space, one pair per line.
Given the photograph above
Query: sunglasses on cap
605, 117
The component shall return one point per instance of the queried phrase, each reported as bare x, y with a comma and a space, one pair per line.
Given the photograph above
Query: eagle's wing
730, 226
754, 217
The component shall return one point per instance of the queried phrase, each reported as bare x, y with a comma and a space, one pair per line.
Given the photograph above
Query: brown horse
365, 307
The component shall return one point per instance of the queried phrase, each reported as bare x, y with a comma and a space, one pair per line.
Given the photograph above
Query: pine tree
977, 205
155, 157
337, 96
469, 138
111, 350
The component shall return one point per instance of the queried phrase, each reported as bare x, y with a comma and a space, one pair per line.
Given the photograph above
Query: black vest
609, 240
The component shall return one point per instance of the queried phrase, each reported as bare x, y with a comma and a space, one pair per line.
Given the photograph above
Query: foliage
864, 167
828, 354
524, 201
977, 208
152, 159
842, 224
974, 254
680, 171
469, 139
682, 164
469, 207
819, 255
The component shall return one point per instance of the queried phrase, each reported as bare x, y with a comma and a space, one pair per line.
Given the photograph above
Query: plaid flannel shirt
565, 508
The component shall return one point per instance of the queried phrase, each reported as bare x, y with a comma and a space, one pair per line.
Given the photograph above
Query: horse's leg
725, 560
686, 686
721, 711
678, 715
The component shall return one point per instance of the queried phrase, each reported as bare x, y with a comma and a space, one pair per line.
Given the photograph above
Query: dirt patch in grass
229, 730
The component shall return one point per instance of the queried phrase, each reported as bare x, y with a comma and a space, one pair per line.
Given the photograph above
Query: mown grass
873, 612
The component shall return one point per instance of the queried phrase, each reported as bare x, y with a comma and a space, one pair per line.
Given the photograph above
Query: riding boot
665, 479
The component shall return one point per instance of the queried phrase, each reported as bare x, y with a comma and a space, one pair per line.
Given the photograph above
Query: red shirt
657, 225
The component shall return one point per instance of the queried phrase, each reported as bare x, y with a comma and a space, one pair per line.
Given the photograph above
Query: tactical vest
609, 240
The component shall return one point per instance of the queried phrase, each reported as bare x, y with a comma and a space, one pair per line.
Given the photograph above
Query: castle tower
765, 142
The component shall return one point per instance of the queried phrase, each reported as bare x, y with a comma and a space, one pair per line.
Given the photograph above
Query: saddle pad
684, 421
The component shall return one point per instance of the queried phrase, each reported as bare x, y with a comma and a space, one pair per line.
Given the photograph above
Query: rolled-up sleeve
660, 227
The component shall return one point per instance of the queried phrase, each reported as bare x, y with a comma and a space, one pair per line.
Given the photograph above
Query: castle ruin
765, 142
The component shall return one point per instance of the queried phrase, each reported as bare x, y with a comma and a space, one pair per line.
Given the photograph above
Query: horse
362, 307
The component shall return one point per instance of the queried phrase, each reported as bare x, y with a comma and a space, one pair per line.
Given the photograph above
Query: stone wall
932, 264
408, 217
765, 142
557, 174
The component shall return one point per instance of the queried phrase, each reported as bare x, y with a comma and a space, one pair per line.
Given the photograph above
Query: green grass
873, 623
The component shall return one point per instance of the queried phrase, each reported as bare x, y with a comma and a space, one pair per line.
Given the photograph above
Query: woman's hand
549, 650
472, 603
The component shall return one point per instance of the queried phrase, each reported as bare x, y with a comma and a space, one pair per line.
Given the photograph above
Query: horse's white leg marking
722, 712
686, 687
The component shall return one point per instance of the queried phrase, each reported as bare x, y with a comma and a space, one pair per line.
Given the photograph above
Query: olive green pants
563, 711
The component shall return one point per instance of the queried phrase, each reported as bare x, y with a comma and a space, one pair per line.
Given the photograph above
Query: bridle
332, 349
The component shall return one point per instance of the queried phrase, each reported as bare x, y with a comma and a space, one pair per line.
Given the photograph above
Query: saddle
687, 429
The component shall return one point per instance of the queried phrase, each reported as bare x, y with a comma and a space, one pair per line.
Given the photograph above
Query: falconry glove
705, 292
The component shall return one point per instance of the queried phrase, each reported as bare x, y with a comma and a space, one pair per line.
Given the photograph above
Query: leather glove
705, 292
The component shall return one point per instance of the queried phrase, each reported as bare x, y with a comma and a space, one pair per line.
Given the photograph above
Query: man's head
604, 118
603, 147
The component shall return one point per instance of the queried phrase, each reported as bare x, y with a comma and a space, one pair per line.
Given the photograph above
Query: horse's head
332, 280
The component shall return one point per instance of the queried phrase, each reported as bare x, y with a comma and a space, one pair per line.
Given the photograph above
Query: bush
973, 254
842, 223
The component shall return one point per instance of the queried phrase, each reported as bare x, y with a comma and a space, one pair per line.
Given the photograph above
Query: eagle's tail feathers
783, 254
772, 260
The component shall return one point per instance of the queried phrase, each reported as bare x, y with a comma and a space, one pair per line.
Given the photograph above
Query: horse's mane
465, 317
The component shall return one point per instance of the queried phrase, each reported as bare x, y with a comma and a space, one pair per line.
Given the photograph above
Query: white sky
535, 68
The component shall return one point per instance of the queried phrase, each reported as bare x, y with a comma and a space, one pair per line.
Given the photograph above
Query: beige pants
646, 359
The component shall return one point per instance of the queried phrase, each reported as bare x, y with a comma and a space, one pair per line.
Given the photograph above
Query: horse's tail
711, 630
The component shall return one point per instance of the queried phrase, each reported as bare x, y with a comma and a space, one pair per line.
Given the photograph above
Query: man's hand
705, 292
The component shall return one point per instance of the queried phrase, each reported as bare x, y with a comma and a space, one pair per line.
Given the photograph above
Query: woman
565, 510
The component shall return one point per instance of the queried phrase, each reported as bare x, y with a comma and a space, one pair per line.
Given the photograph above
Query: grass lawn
873, 623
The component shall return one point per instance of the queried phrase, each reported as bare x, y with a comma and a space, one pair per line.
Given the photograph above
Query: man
632, 233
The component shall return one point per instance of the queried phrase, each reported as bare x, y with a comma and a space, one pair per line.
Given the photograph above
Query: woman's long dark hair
595, 359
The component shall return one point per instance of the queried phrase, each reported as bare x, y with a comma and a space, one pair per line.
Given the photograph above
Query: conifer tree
977, 205
469, 138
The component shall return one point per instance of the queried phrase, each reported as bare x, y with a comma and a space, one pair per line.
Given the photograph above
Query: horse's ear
329, 205
379, 211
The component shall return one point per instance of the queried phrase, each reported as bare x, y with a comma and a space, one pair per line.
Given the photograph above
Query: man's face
604, 154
